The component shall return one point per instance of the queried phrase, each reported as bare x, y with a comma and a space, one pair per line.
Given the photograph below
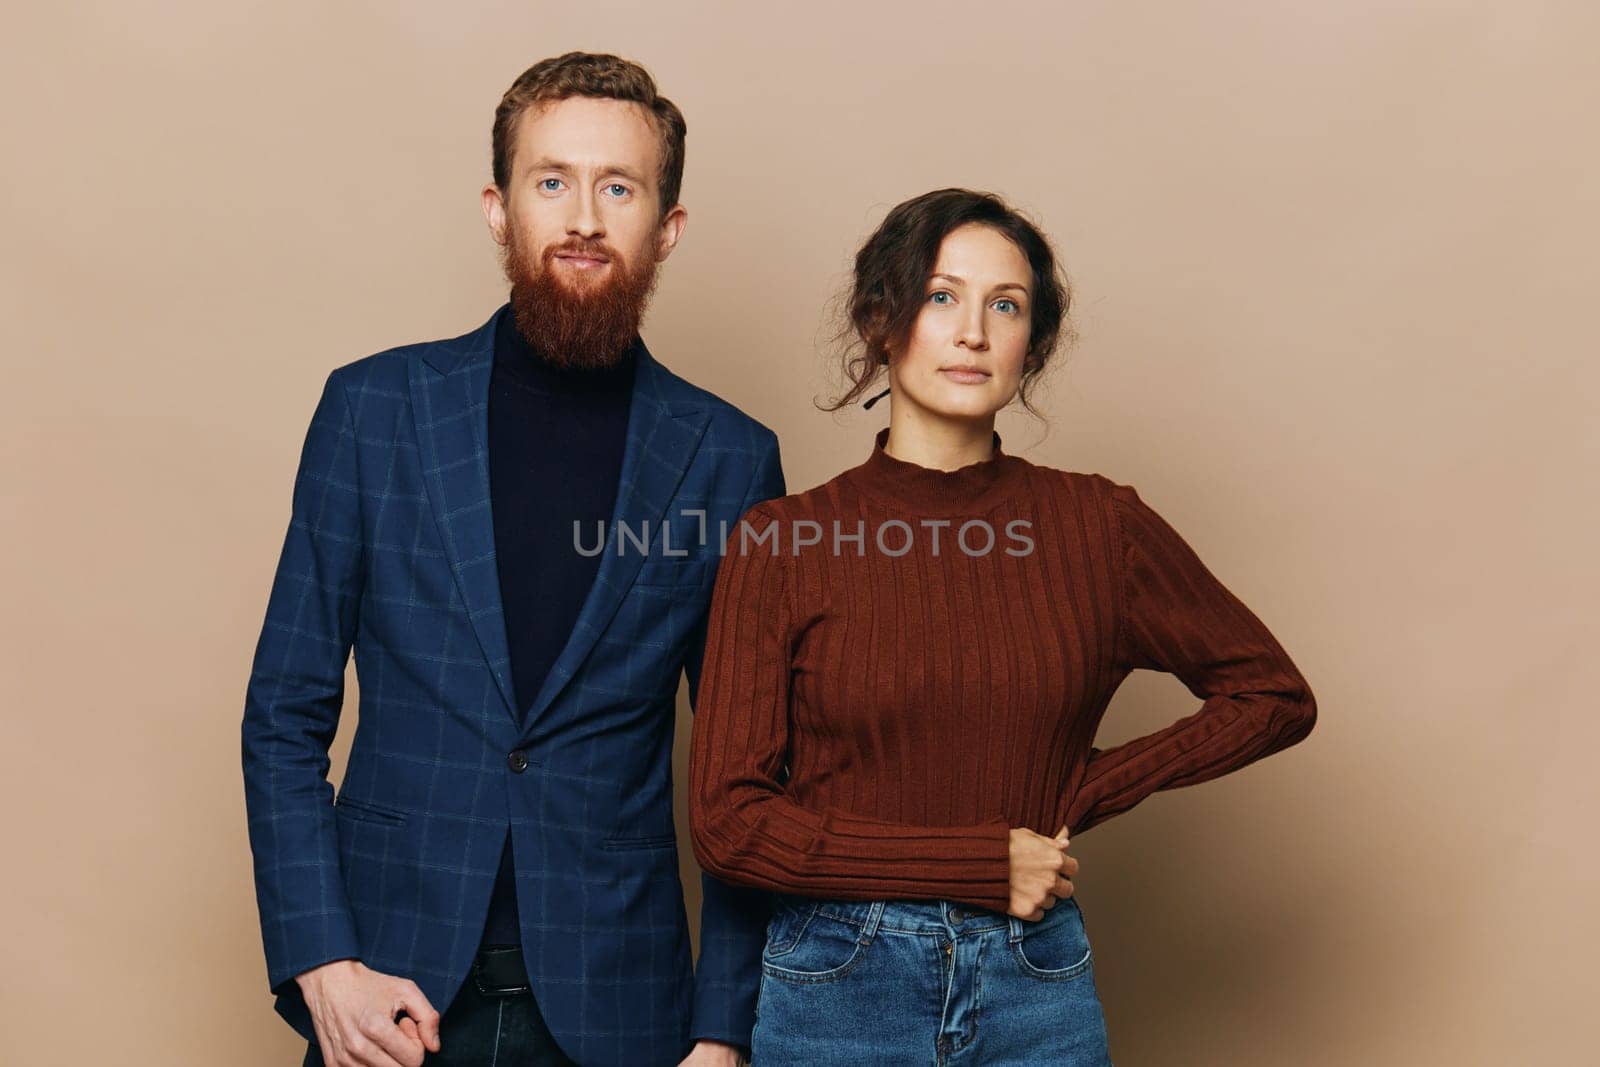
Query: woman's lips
966, 377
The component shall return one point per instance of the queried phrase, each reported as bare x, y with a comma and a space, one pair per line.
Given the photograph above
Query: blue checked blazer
390, 550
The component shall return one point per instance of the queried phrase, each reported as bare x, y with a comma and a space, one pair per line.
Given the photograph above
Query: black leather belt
499, 971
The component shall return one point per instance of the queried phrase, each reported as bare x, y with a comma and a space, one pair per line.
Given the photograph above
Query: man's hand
713, 1054
1041, 872
354, 1009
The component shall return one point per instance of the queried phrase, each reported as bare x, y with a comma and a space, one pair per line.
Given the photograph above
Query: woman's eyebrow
957, 279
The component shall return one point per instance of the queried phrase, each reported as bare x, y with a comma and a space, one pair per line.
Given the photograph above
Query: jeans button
518, 760
956, 915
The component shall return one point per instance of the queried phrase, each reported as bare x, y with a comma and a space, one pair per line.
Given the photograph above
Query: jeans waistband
946, 917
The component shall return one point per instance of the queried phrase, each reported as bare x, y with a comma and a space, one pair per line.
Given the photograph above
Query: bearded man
497, 879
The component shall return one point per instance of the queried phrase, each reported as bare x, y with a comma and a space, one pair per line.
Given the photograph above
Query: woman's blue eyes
1004, 306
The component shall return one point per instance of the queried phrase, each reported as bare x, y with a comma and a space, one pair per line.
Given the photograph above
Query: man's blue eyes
551, 185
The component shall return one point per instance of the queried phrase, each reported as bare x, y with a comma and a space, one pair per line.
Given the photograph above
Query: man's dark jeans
488, 1026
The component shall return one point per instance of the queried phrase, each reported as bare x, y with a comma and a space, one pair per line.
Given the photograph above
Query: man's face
581, 228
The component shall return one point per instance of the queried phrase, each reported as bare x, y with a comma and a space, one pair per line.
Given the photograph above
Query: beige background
1336, 283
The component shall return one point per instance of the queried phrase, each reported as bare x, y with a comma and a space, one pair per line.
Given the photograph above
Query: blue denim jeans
926, 982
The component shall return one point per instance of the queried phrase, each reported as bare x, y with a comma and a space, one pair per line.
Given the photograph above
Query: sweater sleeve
1177, 617
744, 826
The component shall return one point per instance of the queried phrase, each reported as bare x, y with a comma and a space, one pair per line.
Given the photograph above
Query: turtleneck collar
903, 485
519, 361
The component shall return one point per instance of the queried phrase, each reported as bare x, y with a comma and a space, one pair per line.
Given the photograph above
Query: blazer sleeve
292, 705
733, 919
1176, 617
745, 827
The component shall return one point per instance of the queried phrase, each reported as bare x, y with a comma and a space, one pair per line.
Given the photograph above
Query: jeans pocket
1056, 947
788, 922
808, 945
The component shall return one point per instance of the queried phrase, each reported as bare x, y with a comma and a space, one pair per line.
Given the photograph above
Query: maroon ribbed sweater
927, 702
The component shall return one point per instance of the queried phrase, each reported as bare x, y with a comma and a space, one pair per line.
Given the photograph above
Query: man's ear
494, 212
670, 230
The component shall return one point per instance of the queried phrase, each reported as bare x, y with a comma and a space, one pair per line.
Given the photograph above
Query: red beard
588, 326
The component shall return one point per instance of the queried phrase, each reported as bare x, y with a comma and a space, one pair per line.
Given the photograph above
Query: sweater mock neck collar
923, 490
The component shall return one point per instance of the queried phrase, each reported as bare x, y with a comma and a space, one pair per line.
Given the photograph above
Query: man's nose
584, 220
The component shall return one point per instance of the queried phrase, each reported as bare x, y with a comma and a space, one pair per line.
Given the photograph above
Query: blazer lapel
450, 405
663, 435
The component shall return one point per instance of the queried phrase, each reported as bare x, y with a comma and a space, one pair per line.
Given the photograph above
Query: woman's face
964, 357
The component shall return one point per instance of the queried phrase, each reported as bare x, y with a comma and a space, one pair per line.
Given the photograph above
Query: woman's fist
1041, 872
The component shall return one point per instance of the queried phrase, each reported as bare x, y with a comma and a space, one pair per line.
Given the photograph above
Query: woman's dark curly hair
891, 277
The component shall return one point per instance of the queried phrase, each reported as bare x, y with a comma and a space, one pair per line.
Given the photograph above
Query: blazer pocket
367, 811
671, 571
652, 841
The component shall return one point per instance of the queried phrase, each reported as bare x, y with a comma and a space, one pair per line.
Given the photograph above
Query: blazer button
518, 760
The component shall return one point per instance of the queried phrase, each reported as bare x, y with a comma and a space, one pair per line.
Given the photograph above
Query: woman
904, 672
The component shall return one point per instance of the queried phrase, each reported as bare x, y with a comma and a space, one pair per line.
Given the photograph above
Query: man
498, 876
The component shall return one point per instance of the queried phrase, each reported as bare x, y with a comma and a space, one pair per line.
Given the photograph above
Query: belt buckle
487, 985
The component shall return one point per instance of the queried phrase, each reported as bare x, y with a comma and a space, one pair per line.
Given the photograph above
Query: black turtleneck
556, 437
